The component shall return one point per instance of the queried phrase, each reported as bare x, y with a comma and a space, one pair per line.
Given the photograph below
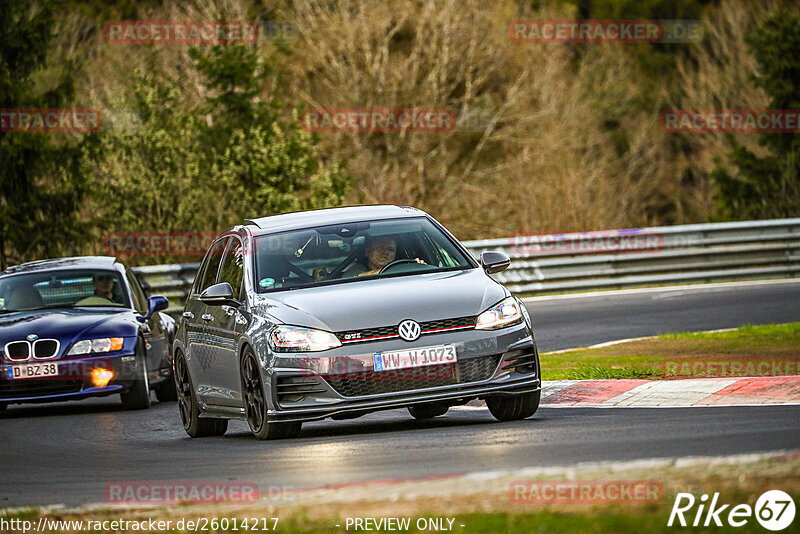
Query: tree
769, 186
43, 176
266, 165
207, 166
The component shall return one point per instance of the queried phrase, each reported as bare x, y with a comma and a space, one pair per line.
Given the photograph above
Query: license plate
31, 370
404, 359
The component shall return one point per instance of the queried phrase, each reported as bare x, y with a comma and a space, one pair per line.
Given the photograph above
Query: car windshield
351, 252
62, 289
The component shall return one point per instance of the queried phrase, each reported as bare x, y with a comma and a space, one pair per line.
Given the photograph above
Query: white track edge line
640, 290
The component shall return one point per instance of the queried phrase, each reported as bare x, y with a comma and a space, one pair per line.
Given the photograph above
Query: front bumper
304, 388
73, 381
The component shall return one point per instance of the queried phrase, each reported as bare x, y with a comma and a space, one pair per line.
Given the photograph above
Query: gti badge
32, 337
409, 330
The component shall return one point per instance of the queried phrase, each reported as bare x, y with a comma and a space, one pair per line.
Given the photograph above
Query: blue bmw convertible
82, 327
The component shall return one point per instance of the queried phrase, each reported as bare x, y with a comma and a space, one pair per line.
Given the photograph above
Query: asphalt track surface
577, 321
67, 453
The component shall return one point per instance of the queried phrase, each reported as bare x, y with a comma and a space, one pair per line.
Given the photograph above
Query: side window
212, 261
232, 267
137, 293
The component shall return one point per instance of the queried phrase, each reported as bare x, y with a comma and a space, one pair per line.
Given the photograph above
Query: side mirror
154, 304
219, 295
494, 262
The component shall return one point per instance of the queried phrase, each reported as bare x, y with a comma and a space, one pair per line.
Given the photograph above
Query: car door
199, 353
224, 329
155, 336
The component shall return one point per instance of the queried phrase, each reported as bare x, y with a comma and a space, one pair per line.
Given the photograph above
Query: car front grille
45, 348
35, 388
431, 376
389, 332
295, 388
18, 351
521, 361
41, 349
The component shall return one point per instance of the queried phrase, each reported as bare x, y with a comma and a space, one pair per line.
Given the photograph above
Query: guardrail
558, 263
171, 281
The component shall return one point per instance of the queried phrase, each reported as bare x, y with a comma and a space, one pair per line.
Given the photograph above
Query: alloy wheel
184, 391
253, 394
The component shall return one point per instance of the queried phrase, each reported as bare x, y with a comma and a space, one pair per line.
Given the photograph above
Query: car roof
306, 219
80, 262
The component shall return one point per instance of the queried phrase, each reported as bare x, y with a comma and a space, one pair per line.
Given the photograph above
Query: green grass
20, 513
763, 333
599, 520
659, 358
607, 520
595, 372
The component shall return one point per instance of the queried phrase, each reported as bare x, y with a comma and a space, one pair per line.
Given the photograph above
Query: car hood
374, 303
66, 325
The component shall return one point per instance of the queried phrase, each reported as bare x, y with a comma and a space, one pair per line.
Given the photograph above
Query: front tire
138, 395
255, 403
193, 424
514, 408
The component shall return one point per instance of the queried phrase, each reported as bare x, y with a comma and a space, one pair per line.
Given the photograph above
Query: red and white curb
672, 393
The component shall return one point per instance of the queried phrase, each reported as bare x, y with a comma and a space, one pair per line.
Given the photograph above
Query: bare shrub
551, 137
719, 75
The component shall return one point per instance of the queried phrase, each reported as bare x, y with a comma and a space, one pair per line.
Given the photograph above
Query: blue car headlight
104, 344
505, 313
299, 339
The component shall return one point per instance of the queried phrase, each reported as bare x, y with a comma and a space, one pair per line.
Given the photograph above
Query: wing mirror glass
154, 304
494, 262
219, 295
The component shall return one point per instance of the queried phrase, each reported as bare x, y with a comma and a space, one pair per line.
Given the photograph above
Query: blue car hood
384, 302
67, 325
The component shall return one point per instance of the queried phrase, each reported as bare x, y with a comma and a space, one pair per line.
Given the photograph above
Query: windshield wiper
50, 307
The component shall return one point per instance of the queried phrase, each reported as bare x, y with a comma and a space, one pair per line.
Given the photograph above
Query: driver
103, 291
104, 285
379, 252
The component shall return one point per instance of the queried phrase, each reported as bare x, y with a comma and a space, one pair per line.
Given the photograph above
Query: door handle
188, 315
207, 317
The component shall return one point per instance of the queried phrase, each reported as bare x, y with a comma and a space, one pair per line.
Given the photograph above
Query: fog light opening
101, 377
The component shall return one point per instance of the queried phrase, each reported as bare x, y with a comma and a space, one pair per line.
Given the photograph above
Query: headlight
299, 339
505, 313
104, 344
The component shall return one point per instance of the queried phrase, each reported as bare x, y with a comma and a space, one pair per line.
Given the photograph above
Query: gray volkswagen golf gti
341, 312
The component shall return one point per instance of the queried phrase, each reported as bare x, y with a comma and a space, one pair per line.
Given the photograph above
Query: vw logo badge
409, 330
32, 337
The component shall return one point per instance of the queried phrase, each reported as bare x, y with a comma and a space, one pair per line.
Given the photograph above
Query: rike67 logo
774, 510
